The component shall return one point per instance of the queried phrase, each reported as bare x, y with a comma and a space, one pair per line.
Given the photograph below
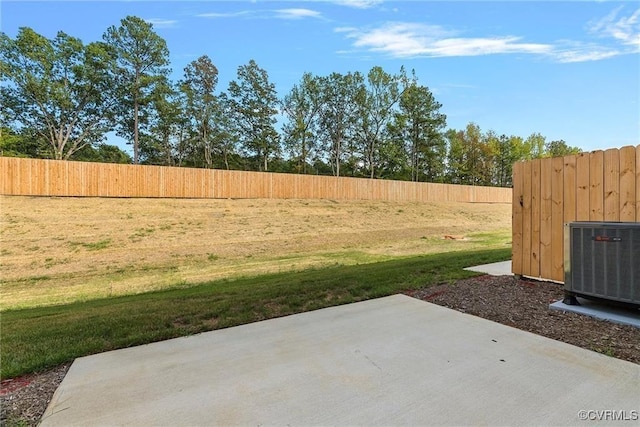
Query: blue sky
569, 70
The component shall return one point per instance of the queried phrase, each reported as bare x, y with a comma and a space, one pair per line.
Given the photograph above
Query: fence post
517, 204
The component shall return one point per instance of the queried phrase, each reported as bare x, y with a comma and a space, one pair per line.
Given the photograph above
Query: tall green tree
506, 151
476, 163
221, 149
255, 104
559, 148
376, 102
59, 89
199, 85
302, 108
224, 132
536, 146
470, 158
22, 144
167, 126
338, 116
142, 58
456, 172
420, 125
102, 153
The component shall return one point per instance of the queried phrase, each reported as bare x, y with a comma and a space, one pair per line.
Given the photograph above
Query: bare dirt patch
71, 249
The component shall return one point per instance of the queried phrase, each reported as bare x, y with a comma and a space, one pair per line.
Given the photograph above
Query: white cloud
484, 46
567, 51
225, 15
625, 30
162, 23
297, 13
408, 39
345, 29
401, 40
291, 13
359, 4
623, 34
568, 56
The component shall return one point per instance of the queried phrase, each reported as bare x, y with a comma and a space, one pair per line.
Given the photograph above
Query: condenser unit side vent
604, 260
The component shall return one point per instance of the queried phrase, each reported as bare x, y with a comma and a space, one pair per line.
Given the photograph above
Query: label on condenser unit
606, 239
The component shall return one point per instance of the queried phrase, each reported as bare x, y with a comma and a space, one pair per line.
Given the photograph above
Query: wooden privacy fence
547, 193
34, 177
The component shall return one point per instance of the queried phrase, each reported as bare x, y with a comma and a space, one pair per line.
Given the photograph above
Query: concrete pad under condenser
602, 311
494, 269
390, 361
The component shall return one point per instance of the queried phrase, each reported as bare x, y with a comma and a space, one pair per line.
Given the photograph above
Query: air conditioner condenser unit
602, 260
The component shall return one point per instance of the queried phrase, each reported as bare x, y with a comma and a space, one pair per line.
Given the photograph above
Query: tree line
61, 97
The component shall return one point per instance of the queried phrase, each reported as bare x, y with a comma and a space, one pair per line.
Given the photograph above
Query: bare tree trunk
338, 159
207, 148
136, 119
135, 131
304, 156
371, 163
226, 158
167, 146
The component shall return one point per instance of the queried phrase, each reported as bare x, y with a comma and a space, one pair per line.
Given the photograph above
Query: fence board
535, 217
138, 183
42, 181
596, 186
583, 187
516, 241
569, 194
526, 219
569, 181
91, 180
628, 204
58, 174
611, 185
557, 219
152, 180
10, 177
19, 177
638, 183
546, 176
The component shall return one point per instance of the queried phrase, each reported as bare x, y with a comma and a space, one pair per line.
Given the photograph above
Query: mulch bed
23, 400
520, 303
524, 304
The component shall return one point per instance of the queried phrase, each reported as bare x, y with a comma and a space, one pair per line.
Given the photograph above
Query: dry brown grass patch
57, 250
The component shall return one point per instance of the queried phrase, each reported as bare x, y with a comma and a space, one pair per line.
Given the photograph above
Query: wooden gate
547, 193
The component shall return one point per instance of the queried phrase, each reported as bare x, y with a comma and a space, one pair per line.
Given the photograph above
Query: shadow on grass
39, 338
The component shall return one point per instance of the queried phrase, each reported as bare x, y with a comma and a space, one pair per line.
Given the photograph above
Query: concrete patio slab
495, 269
389, 361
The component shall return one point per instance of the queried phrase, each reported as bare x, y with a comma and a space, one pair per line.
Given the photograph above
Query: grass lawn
38, 338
